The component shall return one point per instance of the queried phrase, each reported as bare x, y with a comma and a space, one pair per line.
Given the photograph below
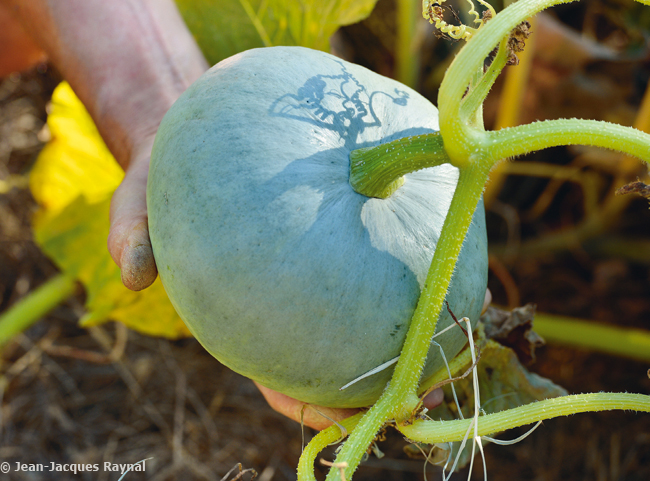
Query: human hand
319, 417
128, 61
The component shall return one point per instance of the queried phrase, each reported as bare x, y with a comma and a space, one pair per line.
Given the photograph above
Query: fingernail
434, 399
487, 301
138, 267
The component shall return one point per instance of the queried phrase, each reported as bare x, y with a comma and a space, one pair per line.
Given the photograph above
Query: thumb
316, 417
128, 239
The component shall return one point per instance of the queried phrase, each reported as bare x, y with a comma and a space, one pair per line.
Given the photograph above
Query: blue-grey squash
277, 266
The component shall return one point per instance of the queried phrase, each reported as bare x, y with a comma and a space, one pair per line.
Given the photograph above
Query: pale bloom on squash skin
293, 409
128, 61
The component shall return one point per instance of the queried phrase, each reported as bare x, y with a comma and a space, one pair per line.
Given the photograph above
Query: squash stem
353, 450
400, 399
377, 171
330, 435
423, 324
459, 137
35, 305
445, 431
407, 53
523, 139
320, 442
511, 105
477, 94
594, 336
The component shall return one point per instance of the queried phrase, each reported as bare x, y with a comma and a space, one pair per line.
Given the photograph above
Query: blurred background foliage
559, 237
227, 27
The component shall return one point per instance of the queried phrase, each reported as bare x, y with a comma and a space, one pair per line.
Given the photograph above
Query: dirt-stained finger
128, 240
137, 262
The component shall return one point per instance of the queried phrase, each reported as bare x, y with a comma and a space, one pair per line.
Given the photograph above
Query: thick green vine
463, 142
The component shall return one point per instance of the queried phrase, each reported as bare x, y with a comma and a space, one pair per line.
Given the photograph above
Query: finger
128, 239
487, 301
292, 408
434, 399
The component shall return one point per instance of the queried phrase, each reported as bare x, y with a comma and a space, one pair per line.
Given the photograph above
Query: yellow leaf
73, 181
75, 161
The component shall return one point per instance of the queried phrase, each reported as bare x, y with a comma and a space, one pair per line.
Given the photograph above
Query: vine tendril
434, 11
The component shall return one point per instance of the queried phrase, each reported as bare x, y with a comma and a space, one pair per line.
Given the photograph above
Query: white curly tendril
434, 11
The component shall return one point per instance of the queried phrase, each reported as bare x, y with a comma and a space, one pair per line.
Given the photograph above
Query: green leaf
225, 27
